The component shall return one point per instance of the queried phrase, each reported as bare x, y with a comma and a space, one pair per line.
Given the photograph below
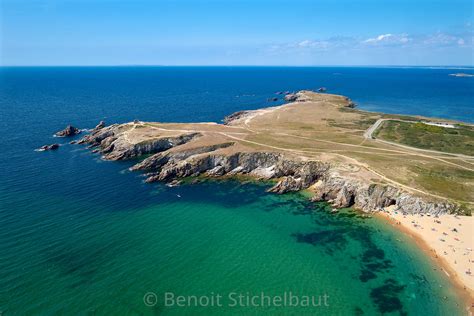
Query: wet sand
448, 239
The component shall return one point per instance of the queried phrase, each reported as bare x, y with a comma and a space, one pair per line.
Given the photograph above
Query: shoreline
464, 290
269, 144
248, 144
423, 238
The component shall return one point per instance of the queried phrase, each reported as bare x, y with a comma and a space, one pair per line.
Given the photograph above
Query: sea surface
83, 236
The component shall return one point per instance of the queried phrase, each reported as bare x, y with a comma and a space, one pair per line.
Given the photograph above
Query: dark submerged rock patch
386, 297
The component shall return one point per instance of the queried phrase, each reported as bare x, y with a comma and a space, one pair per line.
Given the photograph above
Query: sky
236, 32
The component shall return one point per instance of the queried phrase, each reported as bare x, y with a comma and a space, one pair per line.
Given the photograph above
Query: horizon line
286, 66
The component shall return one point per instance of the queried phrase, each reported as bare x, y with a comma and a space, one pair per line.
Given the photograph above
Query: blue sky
236, 32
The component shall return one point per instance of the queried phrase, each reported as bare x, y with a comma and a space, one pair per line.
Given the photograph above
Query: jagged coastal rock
180, 151
235, 116
49, 147
68, 131
292, 173
300, 96
291, 97
350, 103
98, 126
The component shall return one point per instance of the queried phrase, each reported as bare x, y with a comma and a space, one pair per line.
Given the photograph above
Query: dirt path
406, 187
369, 136
386, 150
368, 133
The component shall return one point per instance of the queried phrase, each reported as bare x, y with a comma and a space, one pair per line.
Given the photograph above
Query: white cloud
378, 38
304, 43
306, 46
388, 39
314, 44
442, 39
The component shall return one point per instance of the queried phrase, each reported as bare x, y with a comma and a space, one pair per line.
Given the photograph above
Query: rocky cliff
114, 144
176, 156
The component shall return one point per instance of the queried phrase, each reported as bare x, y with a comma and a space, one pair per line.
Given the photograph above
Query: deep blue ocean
80, 235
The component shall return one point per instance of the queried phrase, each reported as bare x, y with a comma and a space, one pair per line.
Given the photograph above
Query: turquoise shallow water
219, 238
83, 236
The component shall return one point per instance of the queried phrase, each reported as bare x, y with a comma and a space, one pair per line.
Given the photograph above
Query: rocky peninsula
317, 142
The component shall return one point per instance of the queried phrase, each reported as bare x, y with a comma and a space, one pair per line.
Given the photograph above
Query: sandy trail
356, 162
385, 150
368, 136
369, 132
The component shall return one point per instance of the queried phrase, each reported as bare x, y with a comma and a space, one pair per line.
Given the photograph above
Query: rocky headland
318, 143
174, 151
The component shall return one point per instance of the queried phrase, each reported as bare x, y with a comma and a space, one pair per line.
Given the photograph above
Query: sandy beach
448, 239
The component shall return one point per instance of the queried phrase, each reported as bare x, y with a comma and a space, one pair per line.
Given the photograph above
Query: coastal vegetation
317, 142
458, 140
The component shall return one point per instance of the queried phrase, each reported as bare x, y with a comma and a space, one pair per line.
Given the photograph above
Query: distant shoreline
462, 75
461, 67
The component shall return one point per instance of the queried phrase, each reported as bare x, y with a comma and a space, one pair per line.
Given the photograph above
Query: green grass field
451, 140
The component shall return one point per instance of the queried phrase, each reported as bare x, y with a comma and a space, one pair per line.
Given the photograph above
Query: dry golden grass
324, 128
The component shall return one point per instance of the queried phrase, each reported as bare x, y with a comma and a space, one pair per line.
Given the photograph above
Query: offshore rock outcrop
170, 161
48, 147
68, 131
